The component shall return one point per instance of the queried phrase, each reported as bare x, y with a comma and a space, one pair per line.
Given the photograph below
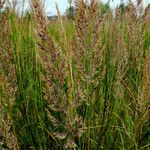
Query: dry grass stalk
87, 44
55, 71
7, 82
146, 16
119, 52
146, 79
50, 56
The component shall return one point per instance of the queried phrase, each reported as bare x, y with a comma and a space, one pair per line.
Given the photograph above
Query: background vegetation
81, 82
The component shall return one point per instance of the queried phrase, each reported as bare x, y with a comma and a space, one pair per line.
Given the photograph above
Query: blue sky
50, 7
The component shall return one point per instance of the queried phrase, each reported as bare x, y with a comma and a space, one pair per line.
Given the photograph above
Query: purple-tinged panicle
1, 3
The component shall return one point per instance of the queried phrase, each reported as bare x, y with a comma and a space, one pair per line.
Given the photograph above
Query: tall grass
75, 84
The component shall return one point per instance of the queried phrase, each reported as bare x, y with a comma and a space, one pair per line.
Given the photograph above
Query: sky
50, 6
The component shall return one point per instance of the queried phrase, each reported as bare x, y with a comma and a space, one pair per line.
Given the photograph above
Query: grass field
81, 84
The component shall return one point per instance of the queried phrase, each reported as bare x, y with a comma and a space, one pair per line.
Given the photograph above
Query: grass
74, 84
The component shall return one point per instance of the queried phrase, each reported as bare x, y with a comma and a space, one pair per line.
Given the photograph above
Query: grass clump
75, 84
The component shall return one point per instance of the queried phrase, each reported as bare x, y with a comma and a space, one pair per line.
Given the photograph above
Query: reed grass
75, 84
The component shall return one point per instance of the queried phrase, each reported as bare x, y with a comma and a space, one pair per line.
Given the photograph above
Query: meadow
76, 84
